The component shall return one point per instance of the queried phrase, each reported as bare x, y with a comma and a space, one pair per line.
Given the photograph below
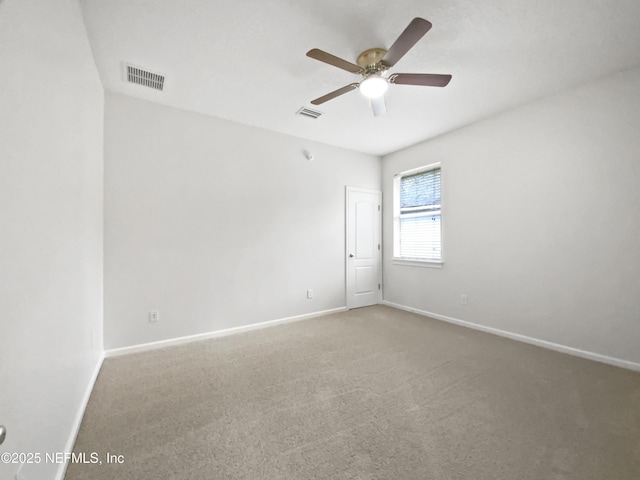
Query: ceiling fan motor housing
371, 61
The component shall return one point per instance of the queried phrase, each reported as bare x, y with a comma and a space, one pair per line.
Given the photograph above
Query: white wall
541, 221
51, 125
216, 224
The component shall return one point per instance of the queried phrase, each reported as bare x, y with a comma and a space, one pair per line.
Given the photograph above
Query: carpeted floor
373, 393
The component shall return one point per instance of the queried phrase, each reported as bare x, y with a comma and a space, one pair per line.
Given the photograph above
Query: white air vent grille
145, 78
307, 112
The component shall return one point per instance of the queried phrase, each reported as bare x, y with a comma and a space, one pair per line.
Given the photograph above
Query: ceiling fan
373, 64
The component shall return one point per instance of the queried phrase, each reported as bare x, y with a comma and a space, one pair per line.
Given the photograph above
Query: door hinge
378, 286
378, 207
378, 246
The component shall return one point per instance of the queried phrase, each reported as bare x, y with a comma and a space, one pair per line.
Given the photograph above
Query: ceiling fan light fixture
373, 64
374, 86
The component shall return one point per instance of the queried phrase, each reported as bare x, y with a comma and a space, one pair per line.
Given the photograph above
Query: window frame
415, 262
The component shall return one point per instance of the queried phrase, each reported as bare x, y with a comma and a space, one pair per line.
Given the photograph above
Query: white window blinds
420, 234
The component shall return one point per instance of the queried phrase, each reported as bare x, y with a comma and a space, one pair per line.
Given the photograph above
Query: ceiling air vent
307, 112
145, 78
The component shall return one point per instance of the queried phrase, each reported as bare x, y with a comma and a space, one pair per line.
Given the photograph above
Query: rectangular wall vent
307, 112
145, 78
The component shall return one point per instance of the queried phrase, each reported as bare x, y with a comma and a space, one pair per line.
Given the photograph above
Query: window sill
417, 263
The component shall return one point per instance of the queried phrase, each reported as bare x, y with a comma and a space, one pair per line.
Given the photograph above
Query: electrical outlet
464, 299
309, 293
154, 316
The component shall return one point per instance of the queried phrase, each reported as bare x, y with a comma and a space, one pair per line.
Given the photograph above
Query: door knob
351, 255
3, 433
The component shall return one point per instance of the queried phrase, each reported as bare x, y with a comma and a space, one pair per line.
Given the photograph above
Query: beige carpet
373, 393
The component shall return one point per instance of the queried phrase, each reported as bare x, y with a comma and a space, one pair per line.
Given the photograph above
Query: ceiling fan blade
333, 60
378, 106
424, 79
407, 39
335, 93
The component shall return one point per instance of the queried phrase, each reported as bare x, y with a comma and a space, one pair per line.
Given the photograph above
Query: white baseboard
617, 362
143, 347
62, 469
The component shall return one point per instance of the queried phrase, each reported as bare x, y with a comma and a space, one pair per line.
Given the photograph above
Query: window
417, 215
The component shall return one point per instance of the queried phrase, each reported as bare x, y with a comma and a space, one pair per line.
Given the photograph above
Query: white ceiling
244, 60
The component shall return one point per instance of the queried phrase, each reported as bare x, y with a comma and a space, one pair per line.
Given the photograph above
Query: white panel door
364, 251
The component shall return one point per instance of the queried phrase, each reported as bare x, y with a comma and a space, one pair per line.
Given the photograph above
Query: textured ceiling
244, 60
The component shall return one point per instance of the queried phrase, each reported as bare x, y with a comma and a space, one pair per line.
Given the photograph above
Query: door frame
348, 191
